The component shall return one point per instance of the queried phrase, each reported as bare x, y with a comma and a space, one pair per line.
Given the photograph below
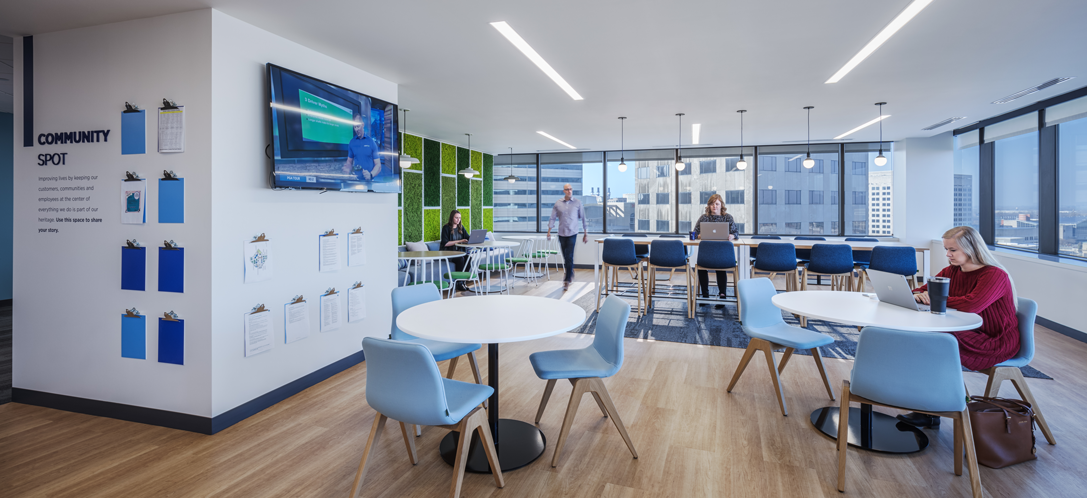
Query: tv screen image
325, 136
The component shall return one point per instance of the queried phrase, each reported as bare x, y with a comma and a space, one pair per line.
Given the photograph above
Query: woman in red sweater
979, 284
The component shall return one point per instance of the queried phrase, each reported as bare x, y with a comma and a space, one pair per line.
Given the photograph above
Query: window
662, 198
630, 206
768, 197
662, 226
768, 228
860, 168
730, 164
833, 197
860, 227
859, 198
687, 169
815, 227
768, 163
740, 227
643, 198
706, 166
643, 225
684, 197
818, 168
833, 167
1072, 185
792, 227
734, 197
815, 197
792, 197
584, 171
834, 227
793, 165
515, 207
664, 170
710, 178
1015, 175
704, 197
684, 226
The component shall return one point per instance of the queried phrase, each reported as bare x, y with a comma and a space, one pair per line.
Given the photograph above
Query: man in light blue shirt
567, 211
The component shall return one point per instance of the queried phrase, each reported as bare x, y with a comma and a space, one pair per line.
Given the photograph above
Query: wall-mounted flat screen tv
325, 136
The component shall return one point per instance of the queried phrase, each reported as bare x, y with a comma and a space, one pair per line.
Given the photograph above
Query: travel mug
937, 294
694, 235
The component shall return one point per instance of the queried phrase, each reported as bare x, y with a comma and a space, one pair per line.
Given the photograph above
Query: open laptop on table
714, 231
478, 236
893, 289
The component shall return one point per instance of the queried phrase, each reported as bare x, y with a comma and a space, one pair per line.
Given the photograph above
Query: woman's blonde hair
971, 244
709, 204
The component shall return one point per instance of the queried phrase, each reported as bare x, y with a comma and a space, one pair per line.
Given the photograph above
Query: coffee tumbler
937, 294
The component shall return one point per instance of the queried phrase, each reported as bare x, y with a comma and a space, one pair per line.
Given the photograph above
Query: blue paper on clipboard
172, 201
134, 268
134, 337
172, 341
134, 132
171, 269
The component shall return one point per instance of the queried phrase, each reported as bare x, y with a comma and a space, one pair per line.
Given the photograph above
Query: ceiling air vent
1033, 89
942, 123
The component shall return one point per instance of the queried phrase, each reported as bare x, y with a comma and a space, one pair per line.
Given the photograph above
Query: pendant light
405, 160
880, 159
468, 172
622, 152
679, 146
808, 161
741, 165
511, 178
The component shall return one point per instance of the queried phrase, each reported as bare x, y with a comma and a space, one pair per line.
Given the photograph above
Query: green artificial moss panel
432, 173
465, 216
413, 146
399, 227
464, 191
432, 224
449, 159
488, 180
488, 219
477, 204
463, 159
413, 207
449, 196
477, 161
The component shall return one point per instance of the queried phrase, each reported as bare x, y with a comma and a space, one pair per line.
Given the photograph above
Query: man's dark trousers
567, 245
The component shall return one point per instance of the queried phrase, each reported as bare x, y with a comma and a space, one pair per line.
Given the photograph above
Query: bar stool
619, 253
640, 250
861, 260
686, 251
803, 256
719, 256
539, 252
554, 255
522, 258
777, 257
900, 260
833, 260
754, 249
667, 254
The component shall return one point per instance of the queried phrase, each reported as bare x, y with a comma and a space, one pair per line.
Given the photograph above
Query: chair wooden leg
568, 419
546, 396
641, 291
803, 280
748, 354
475, 371
769, 352
971, 455
843, 435
452, 367
602, 394
822, 371
409, 442
375, 434
958, 445
600, 403
461, 459
785, 359
1016, 376
479, 420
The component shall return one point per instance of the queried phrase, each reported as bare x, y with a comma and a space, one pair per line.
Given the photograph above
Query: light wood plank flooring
693, 438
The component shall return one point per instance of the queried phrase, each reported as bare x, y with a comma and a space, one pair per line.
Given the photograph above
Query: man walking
567, 211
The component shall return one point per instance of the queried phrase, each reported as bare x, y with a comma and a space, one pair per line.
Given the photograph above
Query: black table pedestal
871, 430
520, 444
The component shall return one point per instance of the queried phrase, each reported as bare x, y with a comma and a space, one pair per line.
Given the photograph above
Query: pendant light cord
809, 132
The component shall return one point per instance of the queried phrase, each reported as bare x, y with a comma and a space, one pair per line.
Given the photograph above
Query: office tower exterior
964, 200
880, 204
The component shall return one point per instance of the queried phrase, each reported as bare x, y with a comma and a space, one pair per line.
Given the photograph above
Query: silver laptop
893, 289
478, 236
714, 231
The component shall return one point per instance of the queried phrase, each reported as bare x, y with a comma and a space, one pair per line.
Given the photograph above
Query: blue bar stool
619, 253
901, 260
861, 260
720, 257
803, 256
754, 249
640, 250
833, 260
667, 254
777, 257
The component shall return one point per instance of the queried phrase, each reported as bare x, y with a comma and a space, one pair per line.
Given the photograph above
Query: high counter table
492, 247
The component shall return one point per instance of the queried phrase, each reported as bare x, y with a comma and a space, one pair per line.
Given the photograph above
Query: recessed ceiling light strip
912, 10
942, 123
526, 49
1034, 89
557, 140
861, 127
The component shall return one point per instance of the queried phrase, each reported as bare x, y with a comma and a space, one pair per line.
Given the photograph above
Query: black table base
520, 444
871, 430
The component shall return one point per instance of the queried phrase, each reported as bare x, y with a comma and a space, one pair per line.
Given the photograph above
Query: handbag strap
991, 401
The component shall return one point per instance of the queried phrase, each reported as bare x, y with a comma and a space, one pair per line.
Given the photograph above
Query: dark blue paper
171, 341
133, 132
171, 270
134, 337
133, 268
172, 201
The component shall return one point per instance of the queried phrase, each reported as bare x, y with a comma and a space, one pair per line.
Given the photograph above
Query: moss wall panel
464, 191
432, 225
488, 218
465, 216
449, 159
399, 227
488, 180
432, 173
477, 204
413, 146
477, 162
449, 196
413, 207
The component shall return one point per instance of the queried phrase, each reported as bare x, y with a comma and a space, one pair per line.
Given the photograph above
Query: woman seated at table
715, 213
453, 233
979, 284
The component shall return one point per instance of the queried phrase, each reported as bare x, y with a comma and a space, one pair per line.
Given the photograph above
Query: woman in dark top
453, 233
715, 213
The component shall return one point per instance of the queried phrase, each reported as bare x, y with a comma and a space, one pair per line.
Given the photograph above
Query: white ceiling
648, 60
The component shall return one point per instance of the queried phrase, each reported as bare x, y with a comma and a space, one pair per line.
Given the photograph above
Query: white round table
492, 247
508, 319
868, 429
527, 273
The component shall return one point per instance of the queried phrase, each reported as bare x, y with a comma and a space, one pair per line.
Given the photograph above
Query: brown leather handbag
1003, 431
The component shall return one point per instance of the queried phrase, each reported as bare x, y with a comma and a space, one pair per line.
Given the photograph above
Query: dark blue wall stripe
1062, 329
28, 91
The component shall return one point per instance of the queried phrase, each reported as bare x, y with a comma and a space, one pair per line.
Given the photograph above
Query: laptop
892, 288
714, 231
477, 236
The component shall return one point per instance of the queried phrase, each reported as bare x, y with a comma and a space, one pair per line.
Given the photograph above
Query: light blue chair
1009, 370
403, 383
414, 295
585, 368
762, 322
917, 371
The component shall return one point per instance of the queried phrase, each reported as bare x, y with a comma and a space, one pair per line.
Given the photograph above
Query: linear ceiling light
861, 127
942, 123
524, 47
696, 130
883, 36
555, 139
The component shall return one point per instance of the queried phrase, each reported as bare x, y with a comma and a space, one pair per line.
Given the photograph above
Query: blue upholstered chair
642, 251
754, 249
667, 254
717, 256
403, 383
918, 371
762, 322
804, 255
900, 260
1009, 370
861, 260
585, 368
777, 257
833, 260
619, 253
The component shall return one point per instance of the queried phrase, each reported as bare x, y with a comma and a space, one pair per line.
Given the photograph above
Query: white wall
924, 198
1058, 288
67, 297
244, 206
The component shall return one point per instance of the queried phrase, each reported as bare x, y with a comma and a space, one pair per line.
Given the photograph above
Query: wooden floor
693, 438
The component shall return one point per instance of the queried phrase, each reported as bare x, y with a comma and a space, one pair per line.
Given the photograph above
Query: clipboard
133, 335
170, 316
133, 244
133, 266
171, 339
259, 238
171, 267
297, 300
132, 176
258, 309
133, 313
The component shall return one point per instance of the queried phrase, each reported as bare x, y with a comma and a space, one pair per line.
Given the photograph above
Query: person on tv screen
361, 152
